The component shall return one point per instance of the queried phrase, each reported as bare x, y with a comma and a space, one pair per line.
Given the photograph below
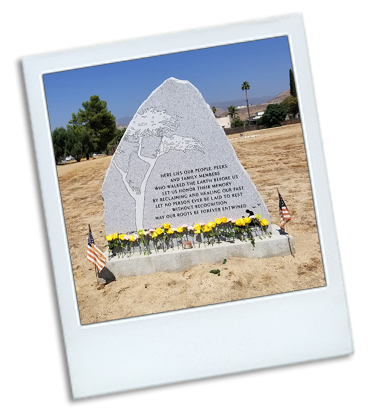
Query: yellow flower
180, 229
109, 238
264, 222
206, 228
197, 231
197, 226
240, 222
224, 219
218, 221
211, 224
246, 219
132, 238
154, 235
166, 225
159, 231
258, 217
115, 236
170, 231
122, 236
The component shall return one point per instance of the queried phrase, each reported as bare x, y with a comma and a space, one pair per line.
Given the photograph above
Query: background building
224, 122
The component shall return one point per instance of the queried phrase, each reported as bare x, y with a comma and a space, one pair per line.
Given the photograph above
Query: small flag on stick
94, 255
284, 213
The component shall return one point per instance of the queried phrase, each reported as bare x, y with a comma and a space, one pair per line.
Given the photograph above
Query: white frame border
210, 340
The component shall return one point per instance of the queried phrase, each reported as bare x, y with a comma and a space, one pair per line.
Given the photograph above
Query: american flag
94, 255
284, 213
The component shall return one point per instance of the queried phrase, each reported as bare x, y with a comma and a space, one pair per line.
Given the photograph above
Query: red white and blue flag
284, 213
94, 254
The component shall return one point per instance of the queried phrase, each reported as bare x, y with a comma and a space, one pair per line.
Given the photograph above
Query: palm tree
245, 86
214, 110
232, 111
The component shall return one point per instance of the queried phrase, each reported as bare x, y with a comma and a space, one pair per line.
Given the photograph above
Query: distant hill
219, 111
240, 102
242, 113
280, 97
120, 126
283, 95
123, 121
257, 104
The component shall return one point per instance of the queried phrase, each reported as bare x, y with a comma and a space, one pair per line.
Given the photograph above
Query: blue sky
217, 73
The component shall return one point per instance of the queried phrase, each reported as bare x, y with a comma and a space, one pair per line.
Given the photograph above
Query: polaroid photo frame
211, 340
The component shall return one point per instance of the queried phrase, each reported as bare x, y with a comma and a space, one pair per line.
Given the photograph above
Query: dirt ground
274, 158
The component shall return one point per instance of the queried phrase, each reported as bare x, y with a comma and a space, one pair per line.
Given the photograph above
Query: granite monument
175, 164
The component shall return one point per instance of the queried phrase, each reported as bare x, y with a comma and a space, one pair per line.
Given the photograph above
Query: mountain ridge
260, 104
242, 113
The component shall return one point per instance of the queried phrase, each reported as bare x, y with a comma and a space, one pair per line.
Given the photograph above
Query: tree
98, 121
214, 110
293, 90
157, 127
291, 105
322, 87
79, 143
245, 86
232, 111
118, 136
236, 122
273, 116
59, 137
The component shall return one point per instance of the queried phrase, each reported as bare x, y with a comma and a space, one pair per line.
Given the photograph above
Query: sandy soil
275, 158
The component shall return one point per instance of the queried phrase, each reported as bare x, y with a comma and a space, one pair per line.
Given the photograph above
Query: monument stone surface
175, 164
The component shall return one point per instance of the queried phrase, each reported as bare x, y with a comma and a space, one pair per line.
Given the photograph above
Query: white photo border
211, 340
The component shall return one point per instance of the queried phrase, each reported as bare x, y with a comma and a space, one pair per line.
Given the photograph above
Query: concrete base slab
183, 259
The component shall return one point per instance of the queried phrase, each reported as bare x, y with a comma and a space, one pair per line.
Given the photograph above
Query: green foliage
232, 111
274, 114
245, 86
291, 105
79, 142
98, 121
224, 261
215, 271
59, 137
293, 90
213, 110
236, 122
118, 136
322, 87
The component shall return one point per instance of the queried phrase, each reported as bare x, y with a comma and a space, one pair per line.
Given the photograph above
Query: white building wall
224, 122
